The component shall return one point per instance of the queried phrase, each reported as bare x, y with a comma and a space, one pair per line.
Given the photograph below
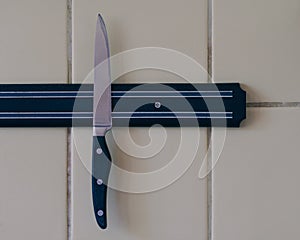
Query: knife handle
101, 164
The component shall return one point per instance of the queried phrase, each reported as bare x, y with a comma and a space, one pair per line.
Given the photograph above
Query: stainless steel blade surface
102, 81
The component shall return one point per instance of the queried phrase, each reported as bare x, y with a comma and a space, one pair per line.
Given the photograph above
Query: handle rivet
157, 104
100, 213
99, 182
99, 151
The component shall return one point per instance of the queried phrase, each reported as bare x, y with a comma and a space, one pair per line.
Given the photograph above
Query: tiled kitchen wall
253, 191
33, 166
179, 210
255, 182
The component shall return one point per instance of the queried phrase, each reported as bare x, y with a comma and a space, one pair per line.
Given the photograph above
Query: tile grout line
209, 130
69, 136
69, 39
272, 104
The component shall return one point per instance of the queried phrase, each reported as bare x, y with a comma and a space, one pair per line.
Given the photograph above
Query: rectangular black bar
134, 105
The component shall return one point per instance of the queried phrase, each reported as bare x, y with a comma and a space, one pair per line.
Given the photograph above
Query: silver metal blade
102, 82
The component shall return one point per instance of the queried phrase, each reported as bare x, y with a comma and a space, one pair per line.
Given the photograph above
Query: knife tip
100, 15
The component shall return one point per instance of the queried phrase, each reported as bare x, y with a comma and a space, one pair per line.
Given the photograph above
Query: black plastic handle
100, 168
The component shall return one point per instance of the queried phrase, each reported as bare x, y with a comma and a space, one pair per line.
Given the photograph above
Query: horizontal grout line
272, 104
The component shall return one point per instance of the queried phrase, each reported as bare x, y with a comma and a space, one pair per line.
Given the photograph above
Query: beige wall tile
33, 41
257, 43
33, 161
178, 211
255, 182
179, 25
33, 184
175, 212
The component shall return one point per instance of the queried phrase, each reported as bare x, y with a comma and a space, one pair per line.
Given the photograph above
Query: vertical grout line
69, 137
69, 39
209, 130
209, 41
69, 186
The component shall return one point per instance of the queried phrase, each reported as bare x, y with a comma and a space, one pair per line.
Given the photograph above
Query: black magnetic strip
67, 105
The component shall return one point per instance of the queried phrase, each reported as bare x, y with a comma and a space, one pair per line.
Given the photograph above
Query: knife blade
102, 122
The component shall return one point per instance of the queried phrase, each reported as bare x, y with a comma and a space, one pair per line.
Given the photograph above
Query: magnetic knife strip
68, 105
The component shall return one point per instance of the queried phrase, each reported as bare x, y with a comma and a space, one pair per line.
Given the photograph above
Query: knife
102, 123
